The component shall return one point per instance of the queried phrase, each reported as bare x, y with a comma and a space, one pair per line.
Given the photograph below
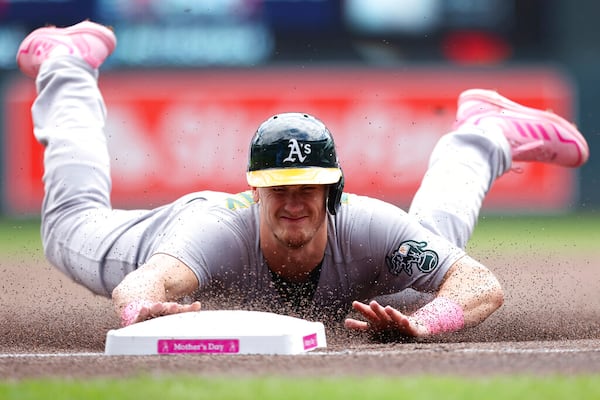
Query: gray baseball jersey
373, 248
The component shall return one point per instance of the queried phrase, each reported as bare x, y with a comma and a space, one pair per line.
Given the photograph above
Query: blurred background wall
542, 52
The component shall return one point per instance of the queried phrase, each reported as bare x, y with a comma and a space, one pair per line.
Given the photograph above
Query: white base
217, 332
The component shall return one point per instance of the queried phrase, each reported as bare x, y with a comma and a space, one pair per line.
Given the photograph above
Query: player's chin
295, 239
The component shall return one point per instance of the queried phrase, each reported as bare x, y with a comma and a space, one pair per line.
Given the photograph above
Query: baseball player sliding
294, 243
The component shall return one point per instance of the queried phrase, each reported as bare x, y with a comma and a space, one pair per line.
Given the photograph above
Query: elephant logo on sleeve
410, 255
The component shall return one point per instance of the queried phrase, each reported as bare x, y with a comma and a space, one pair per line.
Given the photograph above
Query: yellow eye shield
293, 176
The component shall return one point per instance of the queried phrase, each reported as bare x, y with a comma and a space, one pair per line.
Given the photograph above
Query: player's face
292, 215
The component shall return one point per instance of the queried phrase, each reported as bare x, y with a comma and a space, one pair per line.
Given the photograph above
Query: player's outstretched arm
153, 290
469, 294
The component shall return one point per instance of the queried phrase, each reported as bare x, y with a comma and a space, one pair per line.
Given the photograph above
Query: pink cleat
88, 40
533, 135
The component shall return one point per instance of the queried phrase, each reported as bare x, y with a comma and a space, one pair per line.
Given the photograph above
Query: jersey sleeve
405, 254
212, 241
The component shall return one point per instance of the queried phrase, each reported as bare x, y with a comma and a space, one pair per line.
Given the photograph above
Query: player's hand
144, 310
381, 319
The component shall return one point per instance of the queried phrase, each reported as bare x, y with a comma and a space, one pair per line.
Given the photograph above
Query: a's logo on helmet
298, 151
412, 254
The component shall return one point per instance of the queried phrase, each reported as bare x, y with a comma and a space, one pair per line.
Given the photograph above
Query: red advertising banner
173, 132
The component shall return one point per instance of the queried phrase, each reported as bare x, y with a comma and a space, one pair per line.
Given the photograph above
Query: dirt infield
550, 324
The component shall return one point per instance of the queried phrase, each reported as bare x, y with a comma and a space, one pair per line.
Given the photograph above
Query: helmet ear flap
334, 197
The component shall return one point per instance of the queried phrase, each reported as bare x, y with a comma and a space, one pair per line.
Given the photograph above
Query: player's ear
255, 194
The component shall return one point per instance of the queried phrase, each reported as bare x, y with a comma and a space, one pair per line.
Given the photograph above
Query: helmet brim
293, 176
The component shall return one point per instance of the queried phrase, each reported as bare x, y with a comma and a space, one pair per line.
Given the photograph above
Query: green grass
413, 388
20, 236
556, 232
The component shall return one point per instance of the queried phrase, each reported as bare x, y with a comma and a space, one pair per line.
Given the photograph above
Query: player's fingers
162, 308
158, 309
405, 324
135, 311
380, 312
355, 324
397, 317
144, 313
172, 308
177, 308
189, 307
365, 310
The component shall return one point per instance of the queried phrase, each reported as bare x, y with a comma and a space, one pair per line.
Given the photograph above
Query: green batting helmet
295, 149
